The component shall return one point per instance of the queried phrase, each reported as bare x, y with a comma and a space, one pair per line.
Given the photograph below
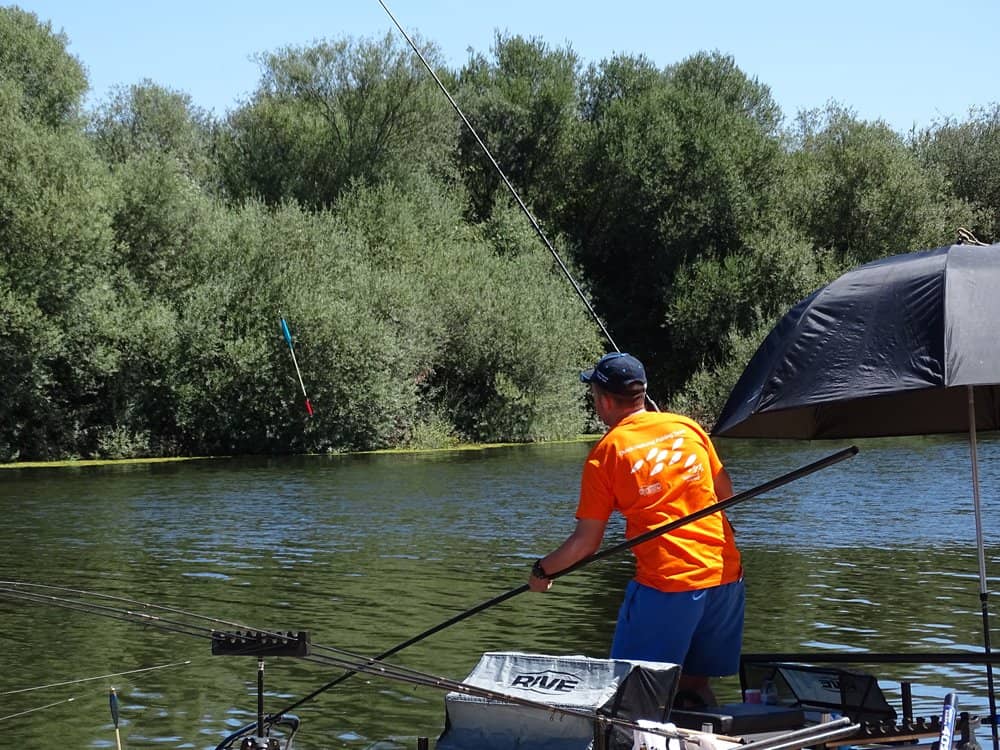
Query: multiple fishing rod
249, 641
174, 620
608, 552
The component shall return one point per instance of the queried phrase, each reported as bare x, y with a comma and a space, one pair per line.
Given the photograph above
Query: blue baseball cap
615, 372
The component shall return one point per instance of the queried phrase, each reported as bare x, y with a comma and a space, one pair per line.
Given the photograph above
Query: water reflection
876, 554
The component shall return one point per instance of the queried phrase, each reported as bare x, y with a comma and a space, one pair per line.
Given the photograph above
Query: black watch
538, 571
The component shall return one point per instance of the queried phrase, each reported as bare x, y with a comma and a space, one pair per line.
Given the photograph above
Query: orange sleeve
714, 462
597, 498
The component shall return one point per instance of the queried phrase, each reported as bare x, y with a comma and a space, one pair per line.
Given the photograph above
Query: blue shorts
700, 630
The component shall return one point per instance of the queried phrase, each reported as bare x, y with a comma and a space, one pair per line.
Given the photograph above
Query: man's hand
585, 540
539, 580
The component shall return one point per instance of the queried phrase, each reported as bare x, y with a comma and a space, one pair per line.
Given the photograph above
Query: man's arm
723, 485
583, 542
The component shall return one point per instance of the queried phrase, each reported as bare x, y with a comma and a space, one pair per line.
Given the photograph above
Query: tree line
148, 248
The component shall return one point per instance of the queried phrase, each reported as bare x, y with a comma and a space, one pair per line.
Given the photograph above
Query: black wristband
538, 571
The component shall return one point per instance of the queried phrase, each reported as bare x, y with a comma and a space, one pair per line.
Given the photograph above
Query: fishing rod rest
260, 643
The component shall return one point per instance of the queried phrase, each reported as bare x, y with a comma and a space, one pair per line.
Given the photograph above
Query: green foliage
28, 343
968, 154
857, 189
225, 384
145, 260
393, 347
147, 120
35, 59
676, 167
53, 237
497, 337
716, 302
523, 103
331, 114
718, 77
159, 217
56, 255
706, 391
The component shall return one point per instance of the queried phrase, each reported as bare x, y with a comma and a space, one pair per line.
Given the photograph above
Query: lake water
876, 553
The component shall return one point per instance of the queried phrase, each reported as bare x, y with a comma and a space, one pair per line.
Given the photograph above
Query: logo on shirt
657, 459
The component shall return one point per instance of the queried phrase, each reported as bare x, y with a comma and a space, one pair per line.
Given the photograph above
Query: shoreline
71, 463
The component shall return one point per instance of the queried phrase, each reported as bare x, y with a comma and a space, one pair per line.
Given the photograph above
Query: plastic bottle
769, 693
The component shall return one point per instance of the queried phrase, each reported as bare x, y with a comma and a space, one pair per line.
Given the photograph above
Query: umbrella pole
983, 592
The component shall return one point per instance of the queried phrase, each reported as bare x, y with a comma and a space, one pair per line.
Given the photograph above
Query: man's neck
619, 416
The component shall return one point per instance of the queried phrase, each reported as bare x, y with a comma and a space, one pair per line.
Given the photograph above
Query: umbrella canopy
888, 348
907, 345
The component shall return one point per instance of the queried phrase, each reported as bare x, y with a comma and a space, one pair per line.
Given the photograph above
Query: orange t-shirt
656, 467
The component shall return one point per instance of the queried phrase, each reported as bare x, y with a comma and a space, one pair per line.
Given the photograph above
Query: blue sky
907, 63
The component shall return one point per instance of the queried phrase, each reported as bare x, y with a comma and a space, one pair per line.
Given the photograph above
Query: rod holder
260, 643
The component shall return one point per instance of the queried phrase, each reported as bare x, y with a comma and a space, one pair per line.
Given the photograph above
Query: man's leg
655, 625
717, 640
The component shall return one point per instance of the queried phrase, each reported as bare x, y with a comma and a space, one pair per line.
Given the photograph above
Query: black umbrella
907, 345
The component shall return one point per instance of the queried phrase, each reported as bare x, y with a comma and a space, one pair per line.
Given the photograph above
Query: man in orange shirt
685, 604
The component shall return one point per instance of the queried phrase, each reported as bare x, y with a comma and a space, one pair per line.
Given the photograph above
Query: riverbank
125, 461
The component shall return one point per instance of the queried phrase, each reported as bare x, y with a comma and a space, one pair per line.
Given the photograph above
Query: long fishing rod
142, 618
510, 187
628, 544
331, 656
28, 587
98, 677
826, 731
37, 708
534, 223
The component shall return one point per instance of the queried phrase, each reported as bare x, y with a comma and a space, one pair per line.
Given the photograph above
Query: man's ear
603, 399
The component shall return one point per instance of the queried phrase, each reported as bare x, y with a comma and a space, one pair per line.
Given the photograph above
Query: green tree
857, 189
968, 153
56, 256
724, 309
159, 215
31, 54
157, 145
495, 337
148, 119
677, 166
328, 115
523, 102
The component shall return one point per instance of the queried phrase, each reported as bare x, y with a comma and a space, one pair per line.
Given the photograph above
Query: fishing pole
291, 347
99, 677
510, 188
330, 656
37, 708
142, 618
628, 544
